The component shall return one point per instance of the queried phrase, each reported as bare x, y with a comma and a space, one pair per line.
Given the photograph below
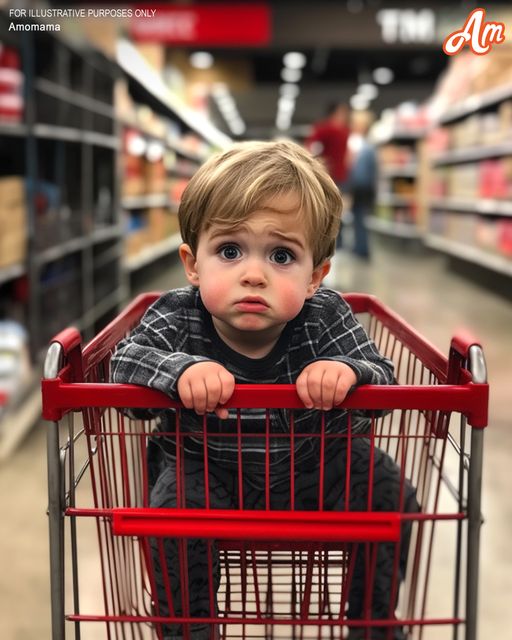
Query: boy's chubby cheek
215, 295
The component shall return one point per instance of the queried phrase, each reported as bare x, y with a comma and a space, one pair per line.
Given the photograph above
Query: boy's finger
213, 387
341, 392
302, 387
328, 389
199, 396
315, 381
222, 413
227, 386
185, 394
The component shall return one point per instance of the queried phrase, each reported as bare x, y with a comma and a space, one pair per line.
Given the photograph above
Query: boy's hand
205, 385
324, 384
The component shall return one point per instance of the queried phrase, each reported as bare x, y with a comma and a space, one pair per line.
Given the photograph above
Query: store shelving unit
396, 211
153, 186
470, 208
68, 151
65, 154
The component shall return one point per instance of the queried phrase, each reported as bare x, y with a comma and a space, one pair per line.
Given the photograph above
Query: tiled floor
435, 302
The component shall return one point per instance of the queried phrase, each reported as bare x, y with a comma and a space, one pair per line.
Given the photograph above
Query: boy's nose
254, 274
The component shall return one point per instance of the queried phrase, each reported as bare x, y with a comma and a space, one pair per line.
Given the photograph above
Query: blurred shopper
329, 142
362, 182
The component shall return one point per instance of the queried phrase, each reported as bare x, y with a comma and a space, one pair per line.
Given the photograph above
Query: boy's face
255, 277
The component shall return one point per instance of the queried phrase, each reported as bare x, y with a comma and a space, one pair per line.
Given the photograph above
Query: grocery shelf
137, 68
61, 250
169, 142
473, 154
478, 256
101, 234
399, 171
15, 129
395, 200
11, 272
70, 134
471, 104
152, 252
481, 206
392, 228
73, 97
400, 135
148, 200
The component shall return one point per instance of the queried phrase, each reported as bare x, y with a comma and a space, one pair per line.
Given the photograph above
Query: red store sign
204, 25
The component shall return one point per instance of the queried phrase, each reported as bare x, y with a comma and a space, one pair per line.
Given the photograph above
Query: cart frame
463, 390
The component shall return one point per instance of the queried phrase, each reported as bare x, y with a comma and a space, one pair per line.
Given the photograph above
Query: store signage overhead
212, 25
407, 26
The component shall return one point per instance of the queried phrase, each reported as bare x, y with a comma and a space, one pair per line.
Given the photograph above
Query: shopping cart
283, 574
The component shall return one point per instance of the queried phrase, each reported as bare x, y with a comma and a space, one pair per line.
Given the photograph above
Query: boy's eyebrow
291, 238
294, 239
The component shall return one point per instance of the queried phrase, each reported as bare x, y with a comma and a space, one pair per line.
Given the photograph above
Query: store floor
435, 302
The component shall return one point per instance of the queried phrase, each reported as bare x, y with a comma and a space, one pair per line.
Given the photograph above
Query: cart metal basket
282, 574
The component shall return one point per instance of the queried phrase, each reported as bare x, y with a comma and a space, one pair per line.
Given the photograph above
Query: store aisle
435, 302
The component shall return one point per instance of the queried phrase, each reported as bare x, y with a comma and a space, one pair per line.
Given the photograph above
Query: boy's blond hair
233, 184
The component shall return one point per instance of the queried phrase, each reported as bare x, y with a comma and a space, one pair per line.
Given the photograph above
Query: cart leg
56, 526
474, 523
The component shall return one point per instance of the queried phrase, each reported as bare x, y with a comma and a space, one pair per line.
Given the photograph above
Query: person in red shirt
328, 140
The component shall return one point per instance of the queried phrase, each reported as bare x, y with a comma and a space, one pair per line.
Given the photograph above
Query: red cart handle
227, 524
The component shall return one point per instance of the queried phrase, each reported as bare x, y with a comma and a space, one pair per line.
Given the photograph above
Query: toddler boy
259, 224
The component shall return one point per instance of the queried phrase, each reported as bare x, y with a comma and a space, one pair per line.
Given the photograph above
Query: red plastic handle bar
225, 524
471, 400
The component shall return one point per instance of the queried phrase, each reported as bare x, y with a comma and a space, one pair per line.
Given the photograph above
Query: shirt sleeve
343, 338
153, 355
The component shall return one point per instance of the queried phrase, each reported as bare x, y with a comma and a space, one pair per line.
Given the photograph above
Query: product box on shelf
136, 241
505, 238
493, 70
13, 221
486, 234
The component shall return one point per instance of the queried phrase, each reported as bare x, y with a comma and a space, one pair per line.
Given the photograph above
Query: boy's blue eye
282, 256
229, 252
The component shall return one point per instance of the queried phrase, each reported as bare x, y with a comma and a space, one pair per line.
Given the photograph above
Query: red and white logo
478, 34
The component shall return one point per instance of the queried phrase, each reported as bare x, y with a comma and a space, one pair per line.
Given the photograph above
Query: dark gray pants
223, 490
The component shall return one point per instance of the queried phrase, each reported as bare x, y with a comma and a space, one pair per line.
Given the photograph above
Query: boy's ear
188, 259
317, 276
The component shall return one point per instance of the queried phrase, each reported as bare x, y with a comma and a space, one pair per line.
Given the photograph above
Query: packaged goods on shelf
505, 238
13, 221
15, 366
11, 85
486, 234
136, 241
493, 70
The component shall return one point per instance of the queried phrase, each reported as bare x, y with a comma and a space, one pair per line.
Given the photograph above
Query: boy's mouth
252, 304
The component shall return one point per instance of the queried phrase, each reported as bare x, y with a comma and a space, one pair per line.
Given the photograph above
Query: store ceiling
330, 74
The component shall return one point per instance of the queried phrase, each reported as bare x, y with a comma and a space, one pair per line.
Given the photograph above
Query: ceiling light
286, 105
283, 121
383, 75
291, 75
201, 60
368, 90
359, 102
289, 90
294, 60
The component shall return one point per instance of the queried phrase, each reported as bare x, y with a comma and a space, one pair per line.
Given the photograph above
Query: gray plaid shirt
177, 332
